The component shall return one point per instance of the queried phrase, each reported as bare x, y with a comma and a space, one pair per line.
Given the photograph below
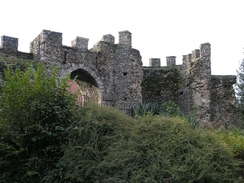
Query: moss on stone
162, 83
14, 61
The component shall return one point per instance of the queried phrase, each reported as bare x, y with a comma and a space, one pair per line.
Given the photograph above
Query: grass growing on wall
15, 61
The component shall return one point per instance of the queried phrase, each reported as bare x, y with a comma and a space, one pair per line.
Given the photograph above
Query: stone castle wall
192, 87
114, 75
115, 68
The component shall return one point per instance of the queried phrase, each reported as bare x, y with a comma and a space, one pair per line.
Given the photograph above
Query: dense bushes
35, 110
233, 139
107, 146
45, 137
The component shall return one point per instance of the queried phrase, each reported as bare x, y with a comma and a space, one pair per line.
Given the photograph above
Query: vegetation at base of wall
35, 111
45, 137
107, 146
233, 139
167, 109
171, 109
143, 109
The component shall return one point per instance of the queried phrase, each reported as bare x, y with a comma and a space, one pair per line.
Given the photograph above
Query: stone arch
88, 79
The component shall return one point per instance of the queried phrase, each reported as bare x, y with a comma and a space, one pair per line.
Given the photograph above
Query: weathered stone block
170, 60
9, 44
154, 62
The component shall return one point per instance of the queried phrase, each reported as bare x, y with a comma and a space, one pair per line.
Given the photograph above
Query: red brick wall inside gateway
75, 88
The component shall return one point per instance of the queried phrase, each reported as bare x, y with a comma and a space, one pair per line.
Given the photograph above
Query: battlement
113, 74
170, 60
154, 62
80, 43
9, 44
125, 38
108, 38
55, 39
203, 53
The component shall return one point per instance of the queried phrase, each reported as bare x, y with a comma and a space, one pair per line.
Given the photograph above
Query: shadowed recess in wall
83, 75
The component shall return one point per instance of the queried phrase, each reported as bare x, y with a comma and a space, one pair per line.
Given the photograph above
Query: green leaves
106, 146
167, 109
35, 111
239, 89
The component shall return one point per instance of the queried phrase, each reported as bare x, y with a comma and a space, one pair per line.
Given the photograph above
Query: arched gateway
112, 74
89, 88
108, 73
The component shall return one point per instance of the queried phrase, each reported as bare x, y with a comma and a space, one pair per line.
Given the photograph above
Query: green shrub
171, 109
192, 119
144, 109
108, 146
167, 109
90, 139
240, 116
35, 110
234, 140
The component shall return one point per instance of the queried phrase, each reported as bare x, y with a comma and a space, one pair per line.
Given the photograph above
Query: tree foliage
240, 84
35, 110
239, 87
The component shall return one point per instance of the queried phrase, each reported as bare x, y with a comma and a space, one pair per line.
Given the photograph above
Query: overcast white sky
159, 28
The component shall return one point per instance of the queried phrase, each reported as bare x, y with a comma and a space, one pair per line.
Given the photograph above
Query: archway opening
86, 87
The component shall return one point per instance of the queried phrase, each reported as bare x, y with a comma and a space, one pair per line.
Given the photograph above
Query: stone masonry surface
113, 74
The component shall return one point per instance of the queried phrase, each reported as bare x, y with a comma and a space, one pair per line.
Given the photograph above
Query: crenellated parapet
51, 37
125, 39
195, 54
80, 43
9, 47
154, 62
117, 68
108, 38
9, 44
112, 74
170, 60
192, 87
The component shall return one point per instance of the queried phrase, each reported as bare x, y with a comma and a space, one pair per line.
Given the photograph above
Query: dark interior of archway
83, 75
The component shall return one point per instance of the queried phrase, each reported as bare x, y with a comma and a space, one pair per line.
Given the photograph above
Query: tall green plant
35, 110
144, 109
239, 88
167, 109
